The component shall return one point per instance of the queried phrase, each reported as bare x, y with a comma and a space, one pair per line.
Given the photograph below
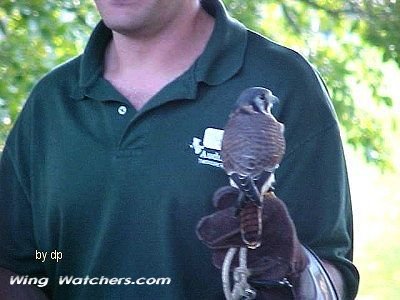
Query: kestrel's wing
252, 143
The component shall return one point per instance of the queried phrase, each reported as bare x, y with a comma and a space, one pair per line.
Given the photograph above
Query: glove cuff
314, 282
273, 289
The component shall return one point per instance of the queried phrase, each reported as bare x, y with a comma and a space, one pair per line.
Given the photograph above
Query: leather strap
314, 282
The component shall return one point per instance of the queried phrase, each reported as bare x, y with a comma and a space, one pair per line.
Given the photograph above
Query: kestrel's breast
252, 143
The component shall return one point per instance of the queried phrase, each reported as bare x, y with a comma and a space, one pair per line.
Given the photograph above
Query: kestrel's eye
262, 97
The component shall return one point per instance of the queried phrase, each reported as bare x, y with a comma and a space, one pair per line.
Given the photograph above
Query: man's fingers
225, 197
220, 230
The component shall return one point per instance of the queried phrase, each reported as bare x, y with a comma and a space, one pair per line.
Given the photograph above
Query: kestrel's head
257, 99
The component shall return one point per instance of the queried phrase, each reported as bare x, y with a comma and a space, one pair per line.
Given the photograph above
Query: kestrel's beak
272, 99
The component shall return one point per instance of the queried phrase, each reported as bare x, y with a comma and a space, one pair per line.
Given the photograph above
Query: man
113, 160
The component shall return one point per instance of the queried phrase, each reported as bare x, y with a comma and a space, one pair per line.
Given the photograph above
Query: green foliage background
35, 36
354, 44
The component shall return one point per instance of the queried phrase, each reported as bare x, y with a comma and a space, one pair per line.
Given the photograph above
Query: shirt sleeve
313, 181
17, 241
312, 178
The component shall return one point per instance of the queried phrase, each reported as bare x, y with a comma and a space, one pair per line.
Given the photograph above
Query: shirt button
122, 110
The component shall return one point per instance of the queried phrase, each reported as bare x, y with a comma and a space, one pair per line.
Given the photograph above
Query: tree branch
290, 19
352, 8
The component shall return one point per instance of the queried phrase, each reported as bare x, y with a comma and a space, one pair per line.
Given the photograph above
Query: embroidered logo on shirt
208, 149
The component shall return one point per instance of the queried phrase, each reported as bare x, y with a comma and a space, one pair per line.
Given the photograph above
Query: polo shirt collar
92, 63
224, 53
222, 58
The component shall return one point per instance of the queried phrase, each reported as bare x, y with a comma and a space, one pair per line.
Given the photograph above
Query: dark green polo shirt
119, 192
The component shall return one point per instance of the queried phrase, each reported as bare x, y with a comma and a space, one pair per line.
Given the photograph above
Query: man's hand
280, 254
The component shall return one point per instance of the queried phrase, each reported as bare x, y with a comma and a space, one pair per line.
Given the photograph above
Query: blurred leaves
347, 41
380, 25
35, 36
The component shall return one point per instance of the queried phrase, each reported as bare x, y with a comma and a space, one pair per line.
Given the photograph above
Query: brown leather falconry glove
280, 256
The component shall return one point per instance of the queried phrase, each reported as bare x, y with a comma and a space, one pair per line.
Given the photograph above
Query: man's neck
145, 64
